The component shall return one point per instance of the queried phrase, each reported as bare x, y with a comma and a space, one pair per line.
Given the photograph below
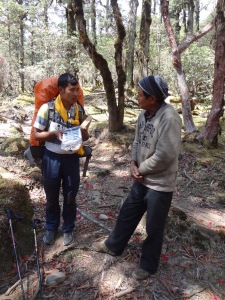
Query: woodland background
110, 45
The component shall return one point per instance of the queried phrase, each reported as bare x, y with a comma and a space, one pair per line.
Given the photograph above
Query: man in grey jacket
154, 166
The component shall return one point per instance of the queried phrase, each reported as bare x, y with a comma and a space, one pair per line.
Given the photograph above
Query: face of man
149, 103
69, 94
143, 101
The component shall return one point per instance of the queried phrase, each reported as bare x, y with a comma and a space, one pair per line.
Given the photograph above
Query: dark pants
140, 200
57, 168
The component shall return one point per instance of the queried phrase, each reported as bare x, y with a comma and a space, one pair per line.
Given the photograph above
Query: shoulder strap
51, 112
52, 116
81, 112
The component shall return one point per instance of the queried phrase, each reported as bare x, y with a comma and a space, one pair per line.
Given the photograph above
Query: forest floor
192, 263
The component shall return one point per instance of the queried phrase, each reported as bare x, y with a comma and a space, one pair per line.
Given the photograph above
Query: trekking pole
34, 224
11, 215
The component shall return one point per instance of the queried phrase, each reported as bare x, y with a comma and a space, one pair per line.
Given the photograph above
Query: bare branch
193, 38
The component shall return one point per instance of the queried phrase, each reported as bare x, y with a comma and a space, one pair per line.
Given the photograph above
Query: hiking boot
49, 238
67, 238
140, 274
101, 247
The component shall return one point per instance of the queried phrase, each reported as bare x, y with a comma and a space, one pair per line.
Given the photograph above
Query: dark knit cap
154, 86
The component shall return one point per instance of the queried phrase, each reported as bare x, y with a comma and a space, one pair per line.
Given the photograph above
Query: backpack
45, 91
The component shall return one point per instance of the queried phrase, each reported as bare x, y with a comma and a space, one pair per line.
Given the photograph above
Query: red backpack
45, 91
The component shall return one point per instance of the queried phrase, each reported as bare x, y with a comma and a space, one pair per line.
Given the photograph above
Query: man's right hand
59, 134
43, 136
135, 174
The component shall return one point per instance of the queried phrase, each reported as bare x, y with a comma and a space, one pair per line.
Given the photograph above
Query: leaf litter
192, 264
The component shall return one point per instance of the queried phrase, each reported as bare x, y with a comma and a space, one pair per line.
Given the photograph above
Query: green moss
15, 197
178, 213
14, 144
221, 200
222, 233
199, 239
25, 99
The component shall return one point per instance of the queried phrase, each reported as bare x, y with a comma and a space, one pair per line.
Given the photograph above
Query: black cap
154, 86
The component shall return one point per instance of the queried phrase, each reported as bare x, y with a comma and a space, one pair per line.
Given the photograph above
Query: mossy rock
25, 99
13, 145
199, 238
15, 197
176, 212
174, 99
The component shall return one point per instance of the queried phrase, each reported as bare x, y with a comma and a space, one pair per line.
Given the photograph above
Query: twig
102, 109
12, 288
127, 291
85, 286
105, 206
188, 296
154, 296
90, 218
221, 158
135, 102
37, 288
130, 113
158, 278
190, 178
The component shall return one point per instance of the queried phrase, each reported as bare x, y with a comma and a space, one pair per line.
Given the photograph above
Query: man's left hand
85, 135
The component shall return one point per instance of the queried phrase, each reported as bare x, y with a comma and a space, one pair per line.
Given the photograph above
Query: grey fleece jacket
156, 148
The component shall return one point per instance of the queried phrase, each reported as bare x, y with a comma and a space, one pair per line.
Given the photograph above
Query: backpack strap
51, 112
52, 116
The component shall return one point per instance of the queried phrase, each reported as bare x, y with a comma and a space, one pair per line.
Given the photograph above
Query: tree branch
193, 38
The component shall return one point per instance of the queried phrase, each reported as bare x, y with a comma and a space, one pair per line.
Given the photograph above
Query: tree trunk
154, 7
115, 117
143, 51
2, 71
121, 75
185, 20
93, 22
21, 47
70, 18
197, 14
32, 46
108, 15
94, 35
46, 14
176, 9
131, 43
212, 128
190, 22
71, 47
177, 63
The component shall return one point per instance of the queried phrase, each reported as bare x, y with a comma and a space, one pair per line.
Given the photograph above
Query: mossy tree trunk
131, 43
71, 50
21, 46
121, 75
143, 51
212, 128
116, 112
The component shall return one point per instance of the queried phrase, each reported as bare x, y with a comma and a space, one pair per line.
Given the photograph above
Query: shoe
67, 238
49, 238
140, 274
101, 247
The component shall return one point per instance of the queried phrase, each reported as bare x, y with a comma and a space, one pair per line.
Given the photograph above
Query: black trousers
57, 170
140, 200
